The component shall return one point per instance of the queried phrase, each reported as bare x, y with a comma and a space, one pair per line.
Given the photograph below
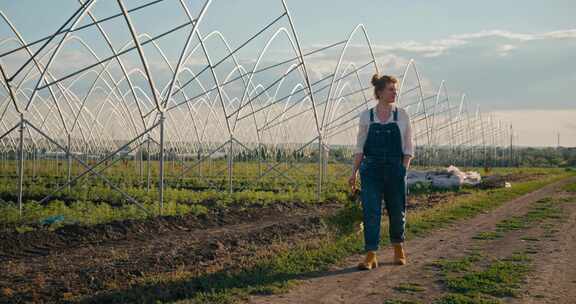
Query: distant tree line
547, 157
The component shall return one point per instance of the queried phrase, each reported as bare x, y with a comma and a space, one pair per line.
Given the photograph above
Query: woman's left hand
406, 161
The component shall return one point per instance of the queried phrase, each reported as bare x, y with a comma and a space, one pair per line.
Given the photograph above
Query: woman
384, 149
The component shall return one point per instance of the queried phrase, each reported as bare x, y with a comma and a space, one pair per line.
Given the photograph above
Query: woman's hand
352, 181
357, 161
406, 161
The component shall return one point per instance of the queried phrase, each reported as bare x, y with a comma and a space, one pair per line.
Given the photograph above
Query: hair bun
375, 79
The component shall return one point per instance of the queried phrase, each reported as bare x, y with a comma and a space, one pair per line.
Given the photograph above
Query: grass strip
468, 282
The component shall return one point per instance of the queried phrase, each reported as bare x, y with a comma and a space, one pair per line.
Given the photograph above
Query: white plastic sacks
452, 177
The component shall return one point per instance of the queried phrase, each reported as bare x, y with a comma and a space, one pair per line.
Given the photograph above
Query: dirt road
551, 244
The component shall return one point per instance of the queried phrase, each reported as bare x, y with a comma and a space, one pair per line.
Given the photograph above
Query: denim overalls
382, 175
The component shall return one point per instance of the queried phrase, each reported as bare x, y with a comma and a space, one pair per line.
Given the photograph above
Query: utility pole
511, 147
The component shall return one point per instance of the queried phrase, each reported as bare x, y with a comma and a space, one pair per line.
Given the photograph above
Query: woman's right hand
352, 181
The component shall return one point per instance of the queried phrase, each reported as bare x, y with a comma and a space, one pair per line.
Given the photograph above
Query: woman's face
388, 94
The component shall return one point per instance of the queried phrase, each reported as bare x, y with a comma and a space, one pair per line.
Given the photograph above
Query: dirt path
554, 278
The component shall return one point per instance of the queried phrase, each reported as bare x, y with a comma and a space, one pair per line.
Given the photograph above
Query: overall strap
371, 115
396, 114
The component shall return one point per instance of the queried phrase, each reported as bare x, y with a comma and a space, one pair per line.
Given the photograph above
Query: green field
91, 200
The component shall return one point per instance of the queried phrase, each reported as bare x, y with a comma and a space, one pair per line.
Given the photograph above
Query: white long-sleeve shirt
404, 125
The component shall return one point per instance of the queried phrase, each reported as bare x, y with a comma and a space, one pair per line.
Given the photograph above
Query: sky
514, 58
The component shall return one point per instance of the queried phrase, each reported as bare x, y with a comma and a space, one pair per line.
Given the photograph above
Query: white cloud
505, 49
432, 49
561, 34
320, 68
495, 33
439, 47
564, 34
392, 62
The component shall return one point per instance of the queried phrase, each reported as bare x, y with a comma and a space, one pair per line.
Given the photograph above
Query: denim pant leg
395, 199
371, 196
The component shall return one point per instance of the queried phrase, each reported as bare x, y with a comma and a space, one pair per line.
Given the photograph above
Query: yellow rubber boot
369, 262
399, 254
